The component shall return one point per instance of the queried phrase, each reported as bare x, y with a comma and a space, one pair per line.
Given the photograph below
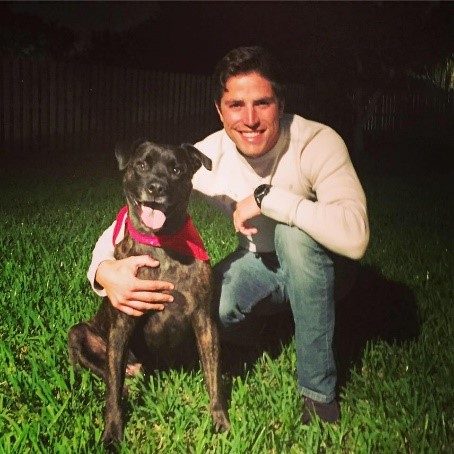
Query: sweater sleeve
104, 250
336, 216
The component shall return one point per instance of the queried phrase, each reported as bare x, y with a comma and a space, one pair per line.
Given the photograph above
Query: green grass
397, 386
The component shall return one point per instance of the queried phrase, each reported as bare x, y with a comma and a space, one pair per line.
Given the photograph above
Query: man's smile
251, 135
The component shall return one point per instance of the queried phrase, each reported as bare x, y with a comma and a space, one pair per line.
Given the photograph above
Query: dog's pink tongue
153, 219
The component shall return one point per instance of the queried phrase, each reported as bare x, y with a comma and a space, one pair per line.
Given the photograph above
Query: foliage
396, 395
440, 74
26, 36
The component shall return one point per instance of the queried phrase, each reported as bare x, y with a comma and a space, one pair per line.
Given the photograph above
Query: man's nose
251, 119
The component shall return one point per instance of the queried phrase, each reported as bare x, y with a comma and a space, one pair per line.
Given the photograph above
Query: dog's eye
142, 165
176, 170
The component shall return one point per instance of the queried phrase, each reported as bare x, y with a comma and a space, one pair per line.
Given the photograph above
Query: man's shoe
326, 412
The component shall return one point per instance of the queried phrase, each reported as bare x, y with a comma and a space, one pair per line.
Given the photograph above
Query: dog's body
157, 185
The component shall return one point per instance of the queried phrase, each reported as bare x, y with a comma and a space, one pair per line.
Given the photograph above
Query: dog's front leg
120, 332
207, 337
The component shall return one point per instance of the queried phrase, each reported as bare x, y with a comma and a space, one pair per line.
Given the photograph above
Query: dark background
323, 40
346, 55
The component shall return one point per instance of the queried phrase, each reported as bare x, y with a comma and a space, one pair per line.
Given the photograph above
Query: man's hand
127, 292
246, 209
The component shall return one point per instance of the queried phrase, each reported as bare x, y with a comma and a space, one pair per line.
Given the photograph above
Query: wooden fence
422, 114
85, 108
67, 108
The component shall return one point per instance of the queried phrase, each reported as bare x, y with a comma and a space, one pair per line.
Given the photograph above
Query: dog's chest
170, 268
188, 274
192, 280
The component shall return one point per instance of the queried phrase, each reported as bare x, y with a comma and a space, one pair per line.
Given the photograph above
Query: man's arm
103, 250
337, 219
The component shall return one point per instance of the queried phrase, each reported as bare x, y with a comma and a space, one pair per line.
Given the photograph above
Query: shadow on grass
375, 309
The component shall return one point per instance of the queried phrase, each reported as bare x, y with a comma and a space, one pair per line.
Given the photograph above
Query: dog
157, 186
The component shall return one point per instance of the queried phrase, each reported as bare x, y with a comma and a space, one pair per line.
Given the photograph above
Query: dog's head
157, 183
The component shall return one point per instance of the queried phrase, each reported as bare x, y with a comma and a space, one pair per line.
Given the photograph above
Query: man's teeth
250, 135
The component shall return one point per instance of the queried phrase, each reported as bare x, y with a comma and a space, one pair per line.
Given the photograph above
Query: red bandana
187, 240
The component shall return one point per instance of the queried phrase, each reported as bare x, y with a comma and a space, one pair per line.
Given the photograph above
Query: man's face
250, 113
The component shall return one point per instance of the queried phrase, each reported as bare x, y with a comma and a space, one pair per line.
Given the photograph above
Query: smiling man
300, 213
250, 112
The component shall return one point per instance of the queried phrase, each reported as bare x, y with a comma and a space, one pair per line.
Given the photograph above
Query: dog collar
187, 240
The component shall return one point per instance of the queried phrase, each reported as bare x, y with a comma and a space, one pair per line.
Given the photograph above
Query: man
298, 208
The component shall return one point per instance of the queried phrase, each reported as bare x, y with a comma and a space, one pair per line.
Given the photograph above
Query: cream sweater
314, 187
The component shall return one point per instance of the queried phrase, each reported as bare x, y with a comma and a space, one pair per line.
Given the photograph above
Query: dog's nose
156, 188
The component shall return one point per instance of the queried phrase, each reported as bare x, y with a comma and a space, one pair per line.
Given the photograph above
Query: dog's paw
133, 369
221, 421
112, 436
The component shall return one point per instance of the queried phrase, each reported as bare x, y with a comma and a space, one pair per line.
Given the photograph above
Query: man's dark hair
245, 60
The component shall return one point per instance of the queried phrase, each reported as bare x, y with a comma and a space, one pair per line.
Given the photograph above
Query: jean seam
321, 266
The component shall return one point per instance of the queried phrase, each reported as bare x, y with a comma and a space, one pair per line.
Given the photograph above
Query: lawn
394, 334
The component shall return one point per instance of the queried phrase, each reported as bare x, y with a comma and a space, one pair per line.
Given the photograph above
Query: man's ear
218, 109
281, 107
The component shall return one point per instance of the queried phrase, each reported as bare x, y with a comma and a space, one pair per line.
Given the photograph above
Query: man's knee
294, 244
228, 308
228, 315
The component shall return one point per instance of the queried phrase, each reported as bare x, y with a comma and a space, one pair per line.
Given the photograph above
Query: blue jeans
302, 274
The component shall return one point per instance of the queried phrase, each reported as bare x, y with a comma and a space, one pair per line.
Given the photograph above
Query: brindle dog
157, 185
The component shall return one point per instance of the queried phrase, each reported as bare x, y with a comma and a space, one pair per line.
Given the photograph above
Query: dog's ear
122, 153
124, 150
196, 157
